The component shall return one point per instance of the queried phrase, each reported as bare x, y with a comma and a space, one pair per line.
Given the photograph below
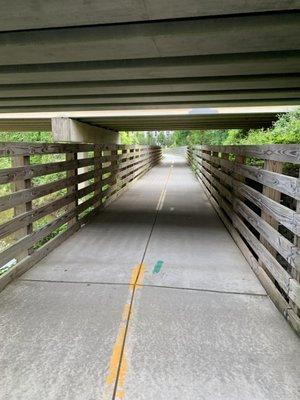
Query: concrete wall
70, 130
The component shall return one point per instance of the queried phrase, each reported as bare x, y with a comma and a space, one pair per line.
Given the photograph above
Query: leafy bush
285, 130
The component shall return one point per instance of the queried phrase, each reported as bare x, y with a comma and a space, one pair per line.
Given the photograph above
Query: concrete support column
71, 130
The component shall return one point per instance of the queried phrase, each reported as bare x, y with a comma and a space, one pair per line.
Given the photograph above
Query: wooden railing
256, 192
52, 190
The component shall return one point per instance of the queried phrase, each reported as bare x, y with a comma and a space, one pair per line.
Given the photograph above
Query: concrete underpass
151, 300
125, 275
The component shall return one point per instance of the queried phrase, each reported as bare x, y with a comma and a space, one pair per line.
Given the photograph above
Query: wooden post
215, 165
138, 156
22, 161
295, 272
98, 175
72, 189
225, 170
82, 170
273, 166
198, 164
115, 164
126, 152
239, 159
202, 167
132, 151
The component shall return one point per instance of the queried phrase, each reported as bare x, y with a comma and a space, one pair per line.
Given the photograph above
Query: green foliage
6, 189
149, 139
146, 138
132, 138
285, 130
46, 137
52, 235
180, 138
211, 137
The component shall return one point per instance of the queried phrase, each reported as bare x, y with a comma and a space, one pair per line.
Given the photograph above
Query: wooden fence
256, 192
35, 217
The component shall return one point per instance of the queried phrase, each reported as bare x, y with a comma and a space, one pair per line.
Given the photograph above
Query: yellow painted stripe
136, 281
137, 275
164, 191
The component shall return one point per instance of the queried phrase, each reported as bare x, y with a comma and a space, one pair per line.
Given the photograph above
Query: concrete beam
70, 130
190, 119
56, 13
135, 54
149, 98
48, 90
153, 105
283, 62
240, 34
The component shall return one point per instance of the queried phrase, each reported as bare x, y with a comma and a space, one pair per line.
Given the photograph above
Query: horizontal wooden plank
29, 240
31, 171
26, 263
288, 250
278, 152
40, 253
287, 283
119, 180
31, 216
113, 192
135, 163
284, 215
284, 247
23, 196
128, 158
218, 185
29, 148
283, 183
126, 166
226, 178
129, 177
268, 285
137, 172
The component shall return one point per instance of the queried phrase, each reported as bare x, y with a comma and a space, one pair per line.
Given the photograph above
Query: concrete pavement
152, 300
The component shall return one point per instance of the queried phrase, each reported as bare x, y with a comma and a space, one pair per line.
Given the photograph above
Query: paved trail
152, 300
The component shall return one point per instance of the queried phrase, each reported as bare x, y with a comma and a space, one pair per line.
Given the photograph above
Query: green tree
46, 137
285, 130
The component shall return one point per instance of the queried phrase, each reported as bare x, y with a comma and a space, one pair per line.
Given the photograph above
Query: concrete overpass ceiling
39, 14
149, 120
184, 122
135, 54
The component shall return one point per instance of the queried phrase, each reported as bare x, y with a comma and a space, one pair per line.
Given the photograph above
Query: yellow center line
118, 366
164, 191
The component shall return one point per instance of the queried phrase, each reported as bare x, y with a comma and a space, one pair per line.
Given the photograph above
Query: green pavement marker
157, 267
